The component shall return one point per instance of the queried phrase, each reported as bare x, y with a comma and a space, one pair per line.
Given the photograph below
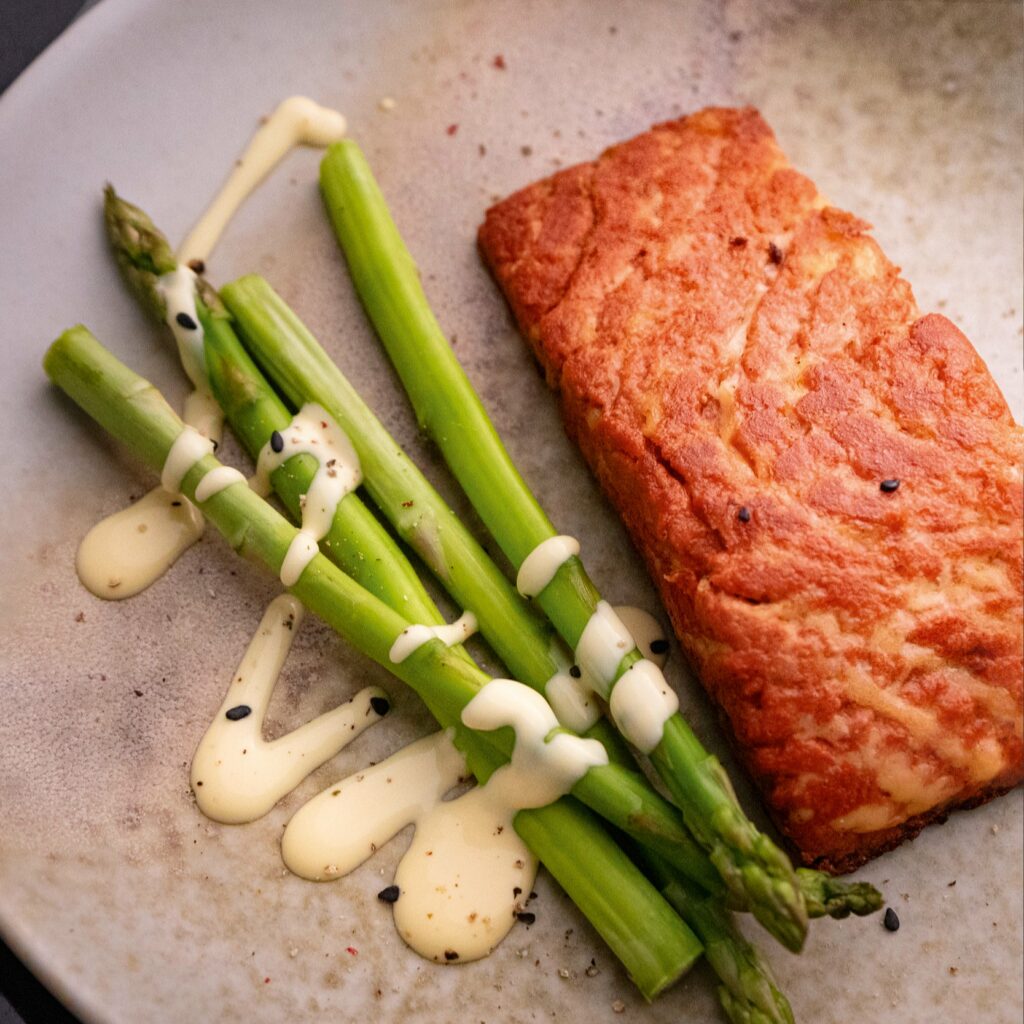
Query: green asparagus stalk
449, 410
748, 992
634, 919
361, 548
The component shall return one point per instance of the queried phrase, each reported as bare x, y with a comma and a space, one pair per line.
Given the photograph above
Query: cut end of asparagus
826, 896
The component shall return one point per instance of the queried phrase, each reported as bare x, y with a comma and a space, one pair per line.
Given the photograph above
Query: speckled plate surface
112, 885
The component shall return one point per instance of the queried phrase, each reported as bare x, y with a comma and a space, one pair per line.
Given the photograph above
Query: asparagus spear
637, 923
361, 548
451, 413
748, 992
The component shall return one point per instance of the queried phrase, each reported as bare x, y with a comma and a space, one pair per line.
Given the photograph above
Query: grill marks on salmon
743, 367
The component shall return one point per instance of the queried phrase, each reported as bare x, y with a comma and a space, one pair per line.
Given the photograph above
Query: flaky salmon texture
825, 484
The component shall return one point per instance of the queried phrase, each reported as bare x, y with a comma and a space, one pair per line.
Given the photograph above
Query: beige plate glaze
128, 902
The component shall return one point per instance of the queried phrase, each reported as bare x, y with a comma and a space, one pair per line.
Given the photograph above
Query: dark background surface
27, 27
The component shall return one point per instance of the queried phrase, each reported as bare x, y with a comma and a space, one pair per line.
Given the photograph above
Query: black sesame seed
659, 646
888, 486
380, 705
186, 321
575, 672
277, 442
240, 711
891, 920
526, 917
175, 504
450, 954
743, 515
390, 894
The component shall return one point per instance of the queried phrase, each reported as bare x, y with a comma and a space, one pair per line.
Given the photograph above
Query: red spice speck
499, 62
266, 981
323, 424
452, 129
352, 951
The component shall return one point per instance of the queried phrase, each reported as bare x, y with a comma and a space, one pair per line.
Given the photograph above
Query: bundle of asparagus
704, 863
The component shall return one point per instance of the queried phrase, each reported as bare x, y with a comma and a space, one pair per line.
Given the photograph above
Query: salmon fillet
824, 484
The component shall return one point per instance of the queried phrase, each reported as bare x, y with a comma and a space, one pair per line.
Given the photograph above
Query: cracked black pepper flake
888, 486
575, 672
659, 646
175, 504
197, 266
389, 894
891, 920
450, 954
516, 891
526, 916
238, 712
186, 321
277, 441
774, 253
743, 515
381, 705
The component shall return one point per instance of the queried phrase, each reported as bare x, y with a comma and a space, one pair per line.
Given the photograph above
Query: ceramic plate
128, 902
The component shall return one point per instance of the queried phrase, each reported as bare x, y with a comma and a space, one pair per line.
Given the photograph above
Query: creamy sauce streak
296, 121
237, 775
414, 637
458, 881
131, 549
189, 447
641, 703
217, 480
541, 564
126, 552
651, 638
602, 646
103, 555
311, 432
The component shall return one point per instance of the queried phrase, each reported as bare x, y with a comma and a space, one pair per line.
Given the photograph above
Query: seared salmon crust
825, 485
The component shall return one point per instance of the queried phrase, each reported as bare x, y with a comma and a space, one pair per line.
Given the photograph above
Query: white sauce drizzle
413, 637
311, 432
540, 565
571, 697
131, 549
125, 552
647, 631
296, 121
237, 776
458, 879
605, 641
168, 531
337, 830
641, 703
217, 480
178, 289
302, 550
543, 767
189, 447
